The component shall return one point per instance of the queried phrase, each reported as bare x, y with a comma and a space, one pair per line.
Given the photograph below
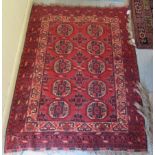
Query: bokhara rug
75, 83
143, 23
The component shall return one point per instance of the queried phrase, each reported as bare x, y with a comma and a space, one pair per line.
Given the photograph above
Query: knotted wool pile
75, 83
142, 15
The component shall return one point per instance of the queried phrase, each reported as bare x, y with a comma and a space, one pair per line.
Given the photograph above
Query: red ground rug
143, 23
75, 83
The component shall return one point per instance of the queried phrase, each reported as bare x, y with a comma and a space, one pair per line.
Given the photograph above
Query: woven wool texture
143, 23
75, 83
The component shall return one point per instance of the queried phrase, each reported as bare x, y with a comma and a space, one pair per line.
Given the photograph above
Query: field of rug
75, 85
142, 15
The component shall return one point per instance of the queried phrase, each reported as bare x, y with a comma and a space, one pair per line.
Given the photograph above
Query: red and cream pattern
58, 109
62, 66
96, 66
75, 84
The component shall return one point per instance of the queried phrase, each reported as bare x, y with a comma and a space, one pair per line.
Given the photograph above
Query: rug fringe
93, 3
131, 40
146, 111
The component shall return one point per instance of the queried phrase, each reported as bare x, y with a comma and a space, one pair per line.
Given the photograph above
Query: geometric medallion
79, 39
95, 30
79, 58
62, 66
61, 88
96, 88
64, 29
79, 78
63, 47
95, 47
78, 100
96, 110
58, 109
96, 66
